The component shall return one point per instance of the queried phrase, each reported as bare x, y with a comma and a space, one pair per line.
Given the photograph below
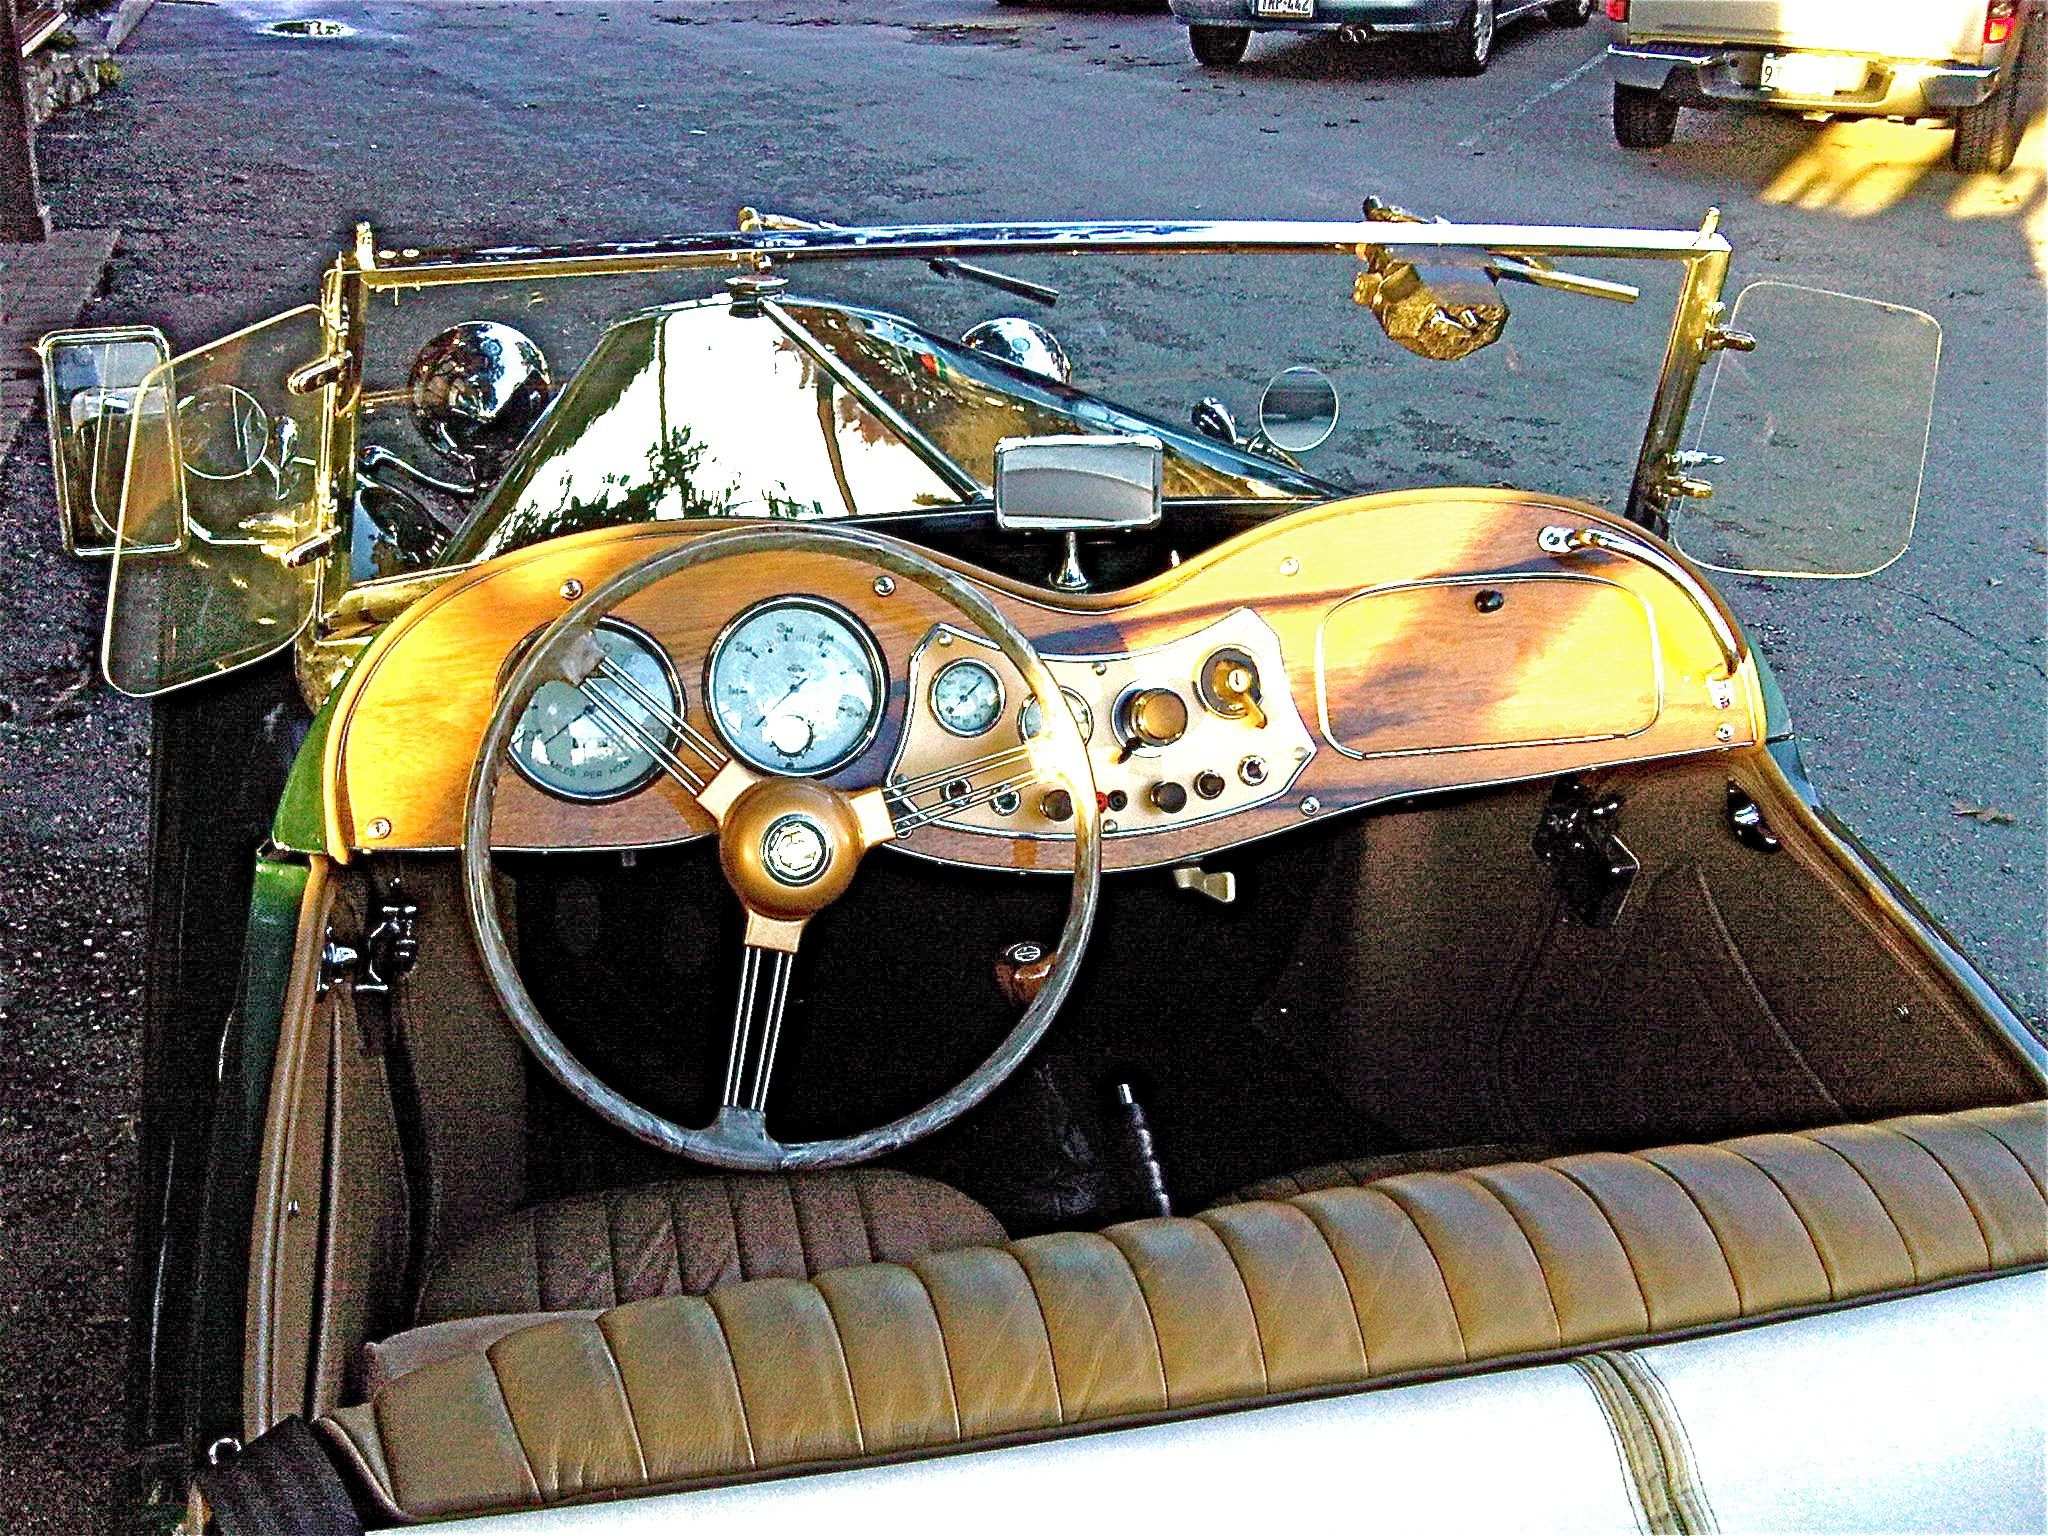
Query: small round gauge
796, 686
967, 697
592, 742
1028, 717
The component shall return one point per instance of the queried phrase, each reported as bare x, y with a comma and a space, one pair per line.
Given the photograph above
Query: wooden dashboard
1395, 645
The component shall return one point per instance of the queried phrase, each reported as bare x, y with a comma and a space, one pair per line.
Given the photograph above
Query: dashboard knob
1209, 784
1169, 797
1056, 805
1154, 717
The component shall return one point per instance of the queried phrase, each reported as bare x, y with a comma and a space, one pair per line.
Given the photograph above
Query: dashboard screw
379, 828
1290, 566
1310, 805
571, 590
884, 585
1724, 732
1489, 600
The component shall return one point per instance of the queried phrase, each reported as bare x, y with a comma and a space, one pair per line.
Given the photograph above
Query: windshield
851, 392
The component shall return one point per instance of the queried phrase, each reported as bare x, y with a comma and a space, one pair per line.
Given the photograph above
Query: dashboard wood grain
1426, 639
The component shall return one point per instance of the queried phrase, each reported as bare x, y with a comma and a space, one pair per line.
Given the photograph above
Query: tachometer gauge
967, 697
796, 686
1028, 718
595, 742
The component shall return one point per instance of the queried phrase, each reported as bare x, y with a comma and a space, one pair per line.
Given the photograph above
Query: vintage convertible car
842, 929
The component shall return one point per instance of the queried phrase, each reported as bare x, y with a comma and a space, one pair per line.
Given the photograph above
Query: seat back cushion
1418, 1275
690, 1235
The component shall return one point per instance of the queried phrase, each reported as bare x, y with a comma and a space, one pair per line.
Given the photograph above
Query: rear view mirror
1814, 443
91, 378
1298, 410
1079, 484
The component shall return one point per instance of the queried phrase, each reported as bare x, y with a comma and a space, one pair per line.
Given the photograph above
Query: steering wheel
788, 847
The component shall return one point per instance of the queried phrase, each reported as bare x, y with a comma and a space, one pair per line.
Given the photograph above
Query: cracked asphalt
235, 162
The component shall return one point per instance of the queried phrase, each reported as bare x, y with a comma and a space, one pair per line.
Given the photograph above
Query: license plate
1288, 10
1812, 74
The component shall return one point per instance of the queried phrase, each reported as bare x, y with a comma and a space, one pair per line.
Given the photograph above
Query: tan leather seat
683, 1236
1419, 1275
1354, 1171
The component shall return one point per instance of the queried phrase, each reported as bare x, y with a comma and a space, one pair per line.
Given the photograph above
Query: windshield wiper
946, 266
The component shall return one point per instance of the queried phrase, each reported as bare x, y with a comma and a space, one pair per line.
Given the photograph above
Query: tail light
1999, 17
1617, 10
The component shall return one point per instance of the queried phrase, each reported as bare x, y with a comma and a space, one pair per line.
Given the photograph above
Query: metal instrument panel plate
1214, 743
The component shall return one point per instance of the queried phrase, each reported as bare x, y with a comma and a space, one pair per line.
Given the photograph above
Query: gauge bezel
831, 610
931, 697
1084, 716
679, 700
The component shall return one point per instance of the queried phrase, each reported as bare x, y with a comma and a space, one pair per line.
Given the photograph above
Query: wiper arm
1022, 287
945, 266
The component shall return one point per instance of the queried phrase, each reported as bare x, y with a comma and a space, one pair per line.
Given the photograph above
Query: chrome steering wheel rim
738, 1137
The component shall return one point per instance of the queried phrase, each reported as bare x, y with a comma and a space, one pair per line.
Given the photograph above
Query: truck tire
1988, 133
1219, 47
1468, 47
1643, 119
1570, 13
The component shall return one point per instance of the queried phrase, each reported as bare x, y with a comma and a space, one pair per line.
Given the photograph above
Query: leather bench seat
1417, 1275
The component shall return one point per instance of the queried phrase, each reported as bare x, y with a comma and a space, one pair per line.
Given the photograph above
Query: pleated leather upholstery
1383, 1165
1422, 1273
694, 1234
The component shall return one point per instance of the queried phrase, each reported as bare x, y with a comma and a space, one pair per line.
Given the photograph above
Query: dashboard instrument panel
1337, 657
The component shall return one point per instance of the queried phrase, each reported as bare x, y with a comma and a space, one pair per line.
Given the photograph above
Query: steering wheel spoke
757, 1024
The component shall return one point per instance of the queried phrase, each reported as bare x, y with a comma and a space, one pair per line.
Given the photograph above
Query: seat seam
1634, 1273
611, 1242
1820, 1257
1151, 1324
867, 1220
625, 1399
675, 1237
1969, 1204
1734, 1284
1587, 1368
1250, 1307
796, 1224
1343, 1279
732, 1222
860, 1432
1542, 1269
1905, 1242
518, 1439
945, 1352
1442, 1279
1714, 1227
1052, 1356
1985, 1128
1695, 1485
739, 1387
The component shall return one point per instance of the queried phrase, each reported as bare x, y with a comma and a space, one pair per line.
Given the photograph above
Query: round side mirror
1024, 343
477, 389
1298, 410
223, 432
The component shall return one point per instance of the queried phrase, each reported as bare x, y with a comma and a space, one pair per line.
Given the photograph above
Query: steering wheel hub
789, 847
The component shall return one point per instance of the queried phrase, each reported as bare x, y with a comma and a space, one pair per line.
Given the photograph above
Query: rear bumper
1396, 18
1708, 75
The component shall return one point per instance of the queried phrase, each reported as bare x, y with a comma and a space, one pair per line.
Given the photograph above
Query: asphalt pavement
234, 162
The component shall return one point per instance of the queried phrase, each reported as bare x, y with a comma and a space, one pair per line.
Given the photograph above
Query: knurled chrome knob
1153, 717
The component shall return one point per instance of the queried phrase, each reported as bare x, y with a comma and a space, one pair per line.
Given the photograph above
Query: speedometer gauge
967, 697
796, 686
598, 742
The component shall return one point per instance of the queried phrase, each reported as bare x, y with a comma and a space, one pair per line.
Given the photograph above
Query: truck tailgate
1904, 29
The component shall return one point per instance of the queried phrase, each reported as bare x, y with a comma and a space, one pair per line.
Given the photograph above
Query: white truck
1956, 62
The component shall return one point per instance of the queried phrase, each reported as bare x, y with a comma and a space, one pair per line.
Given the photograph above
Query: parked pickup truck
1953, 61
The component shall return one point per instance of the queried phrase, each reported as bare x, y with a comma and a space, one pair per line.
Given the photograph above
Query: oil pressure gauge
967, 697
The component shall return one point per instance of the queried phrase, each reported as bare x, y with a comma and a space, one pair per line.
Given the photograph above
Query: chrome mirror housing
91, 378
477, 389
1024, 344
1298, 411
